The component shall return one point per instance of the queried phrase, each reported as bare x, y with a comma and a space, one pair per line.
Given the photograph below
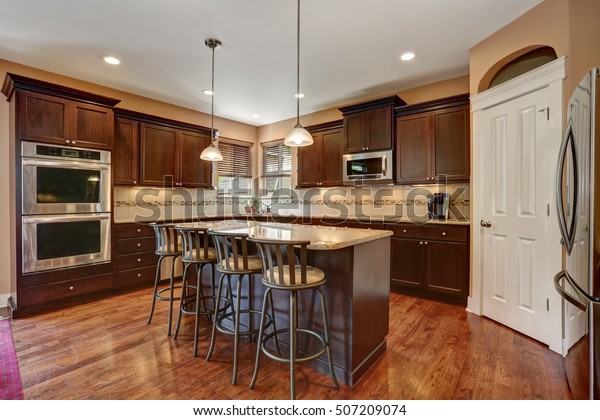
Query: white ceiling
349, 48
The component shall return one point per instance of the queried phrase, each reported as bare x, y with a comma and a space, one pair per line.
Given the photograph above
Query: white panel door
516, 195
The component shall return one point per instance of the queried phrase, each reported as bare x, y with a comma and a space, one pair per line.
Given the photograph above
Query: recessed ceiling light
111, 60
407, 56
299, 95
255, 116
208, 92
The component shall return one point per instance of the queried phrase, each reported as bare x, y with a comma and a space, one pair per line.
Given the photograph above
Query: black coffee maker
437, 205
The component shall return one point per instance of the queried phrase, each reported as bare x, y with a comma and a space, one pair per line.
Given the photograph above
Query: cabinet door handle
134, 182
71, 288
139, 245
443, 233
139, 274
139, 260
139, 230
73, 142
68, 141
426, 243
403, 230
420, 242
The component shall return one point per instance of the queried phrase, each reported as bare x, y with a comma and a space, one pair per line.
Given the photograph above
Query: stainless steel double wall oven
66, 207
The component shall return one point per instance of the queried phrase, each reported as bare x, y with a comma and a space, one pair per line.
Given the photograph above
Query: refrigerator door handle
568, 297
567, 232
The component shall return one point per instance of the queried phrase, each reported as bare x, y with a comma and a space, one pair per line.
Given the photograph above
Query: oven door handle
92, 166
66, 218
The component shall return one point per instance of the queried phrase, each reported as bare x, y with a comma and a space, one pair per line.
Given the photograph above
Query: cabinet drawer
406, 230
55, 291
144, 275
142, 259
135, 245
133, 230
447, 233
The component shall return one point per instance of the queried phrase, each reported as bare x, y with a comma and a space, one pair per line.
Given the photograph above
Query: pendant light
298, 137
212, 153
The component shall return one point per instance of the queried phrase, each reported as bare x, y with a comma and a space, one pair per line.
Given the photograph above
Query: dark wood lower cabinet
431, 261
447, 268
136, 260
408, 263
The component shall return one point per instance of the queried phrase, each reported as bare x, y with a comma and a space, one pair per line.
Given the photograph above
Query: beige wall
429, 92
6, 258
569, 26
584, 41
545, 24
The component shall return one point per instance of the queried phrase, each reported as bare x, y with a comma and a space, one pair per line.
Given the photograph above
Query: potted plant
252, 205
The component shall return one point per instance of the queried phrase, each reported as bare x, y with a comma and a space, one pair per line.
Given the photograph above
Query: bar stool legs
235, 315
156, 294
293, 336
199, 299
236, 325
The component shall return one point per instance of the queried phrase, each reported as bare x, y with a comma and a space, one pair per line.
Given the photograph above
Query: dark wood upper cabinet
51, 113
332, 148
320, 164
157, 151
433, 142
451, 136
369, 126
308, 163
193, 172
413, 148
158, 163
126, 153
51, 119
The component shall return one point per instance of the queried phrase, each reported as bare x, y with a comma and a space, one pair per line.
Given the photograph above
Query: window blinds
237, 160
277, 160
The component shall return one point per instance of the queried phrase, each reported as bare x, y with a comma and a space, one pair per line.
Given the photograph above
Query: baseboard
4, 300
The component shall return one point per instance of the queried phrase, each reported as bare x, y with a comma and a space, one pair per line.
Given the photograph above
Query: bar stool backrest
167, 239
279, 261
195, 244
232, 252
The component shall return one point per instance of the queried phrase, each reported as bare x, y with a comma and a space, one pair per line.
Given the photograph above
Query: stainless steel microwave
369, 166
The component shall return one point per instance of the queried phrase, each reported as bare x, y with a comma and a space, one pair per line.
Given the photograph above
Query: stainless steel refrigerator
578, 205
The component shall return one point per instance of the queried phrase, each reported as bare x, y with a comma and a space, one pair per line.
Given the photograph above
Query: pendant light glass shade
298, 137
212, 153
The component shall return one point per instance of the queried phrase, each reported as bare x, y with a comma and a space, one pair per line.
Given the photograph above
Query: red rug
10, 377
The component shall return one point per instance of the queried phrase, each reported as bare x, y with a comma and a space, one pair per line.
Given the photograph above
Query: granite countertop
154, 220
398, 219
366, 219
320, 237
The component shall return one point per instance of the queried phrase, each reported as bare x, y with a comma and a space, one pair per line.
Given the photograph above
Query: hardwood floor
105, 350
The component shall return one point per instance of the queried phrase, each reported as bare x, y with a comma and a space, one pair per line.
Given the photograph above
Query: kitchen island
356, 263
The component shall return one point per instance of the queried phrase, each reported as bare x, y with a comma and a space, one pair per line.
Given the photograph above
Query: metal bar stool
167, 246
196, 252
281, 272
233, 259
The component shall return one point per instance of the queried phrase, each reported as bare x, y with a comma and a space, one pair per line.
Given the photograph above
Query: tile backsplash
180, 203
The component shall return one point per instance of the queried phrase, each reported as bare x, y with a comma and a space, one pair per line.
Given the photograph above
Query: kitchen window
235, 170
277, 166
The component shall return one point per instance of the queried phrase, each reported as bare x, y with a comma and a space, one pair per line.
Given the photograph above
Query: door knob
486, 224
